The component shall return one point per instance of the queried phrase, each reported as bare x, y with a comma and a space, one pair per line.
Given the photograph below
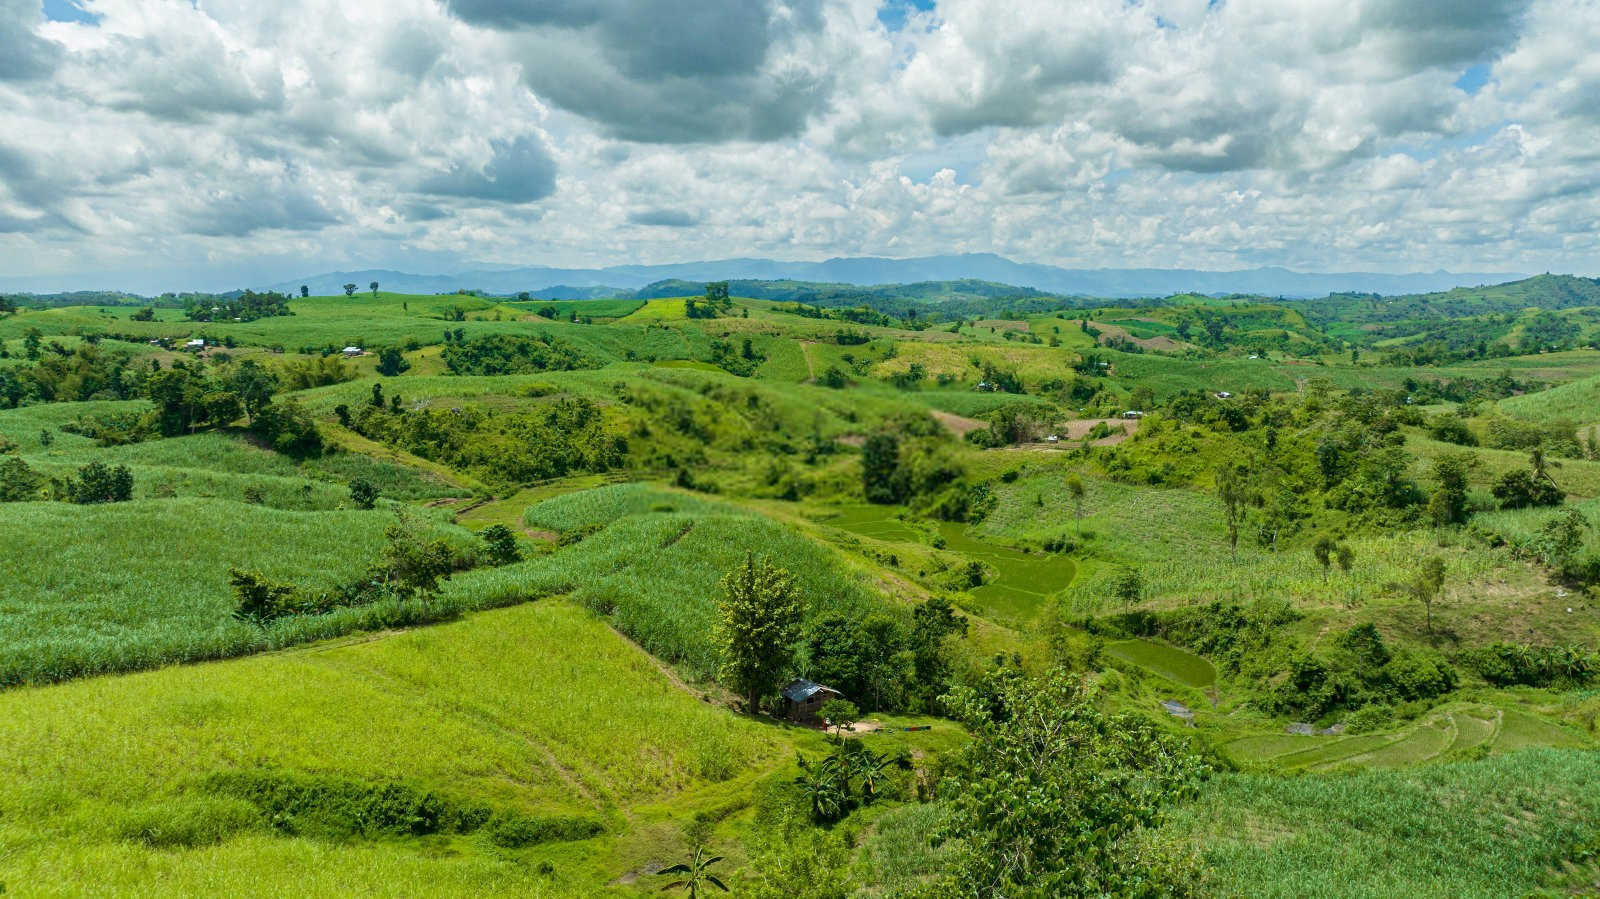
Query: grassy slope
1487, 828
500, 707
1576, 401
130, 585
655, 566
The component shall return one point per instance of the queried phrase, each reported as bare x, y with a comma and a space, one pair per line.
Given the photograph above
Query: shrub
100, 483
1505, 664
1520, 489
1449, 427
392, 362
500, 545
363, 493
18, 482
340, 808
187, 823
289, 429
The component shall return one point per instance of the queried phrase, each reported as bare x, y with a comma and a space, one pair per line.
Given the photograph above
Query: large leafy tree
881, 478
1054, 797
760, 621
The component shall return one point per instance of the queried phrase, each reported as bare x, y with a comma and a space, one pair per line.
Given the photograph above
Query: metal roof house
803, 700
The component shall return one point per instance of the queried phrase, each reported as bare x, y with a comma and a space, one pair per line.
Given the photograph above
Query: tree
1052, 793
1346, 557
1232, 492
391, 362
695, 874
717, 294
305, 291
760, 621
500, 545
1076, 491
1426, 585
1324, 550
1448, 505
840, 714
1128, 585
373, 287
931, 623
350, 290
363, 493
31, 342
880, 469
253, 385
413, 564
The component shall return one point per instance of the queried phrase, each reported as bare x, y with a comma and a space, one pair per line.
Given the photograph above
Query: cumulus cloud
24, 55
517, 171
1319, 134
674, 71
664, 218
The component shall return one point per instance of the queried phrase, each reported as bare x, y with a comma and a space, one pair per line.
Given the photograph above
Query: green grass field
563, 714
93, 589
654, 567
1577, 401
499, 707
1494, 827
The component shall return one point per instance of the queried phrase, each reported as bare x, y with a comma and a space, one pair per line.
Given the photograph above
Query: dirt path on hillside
811, 368
957, 424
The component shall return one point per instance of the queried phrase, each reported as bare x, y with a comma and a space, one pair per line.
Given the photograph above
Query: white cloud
1322, 134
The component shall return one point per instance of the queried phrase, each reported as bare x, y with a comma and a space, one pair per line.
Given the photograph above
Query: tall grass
1576, 401
1496, 827
654, 573
540, 708
96, 589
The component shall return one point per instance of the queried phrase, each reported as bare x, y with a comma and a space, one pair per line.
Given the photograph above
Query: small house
803, 700
352, 351
1133, 413
1053, 438
199, 343
1224, 395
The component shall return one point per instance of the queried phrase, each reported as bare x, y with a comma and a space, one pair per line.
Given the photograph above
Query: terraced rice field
1023, 580
1177, 665
1452, 730
1020, 582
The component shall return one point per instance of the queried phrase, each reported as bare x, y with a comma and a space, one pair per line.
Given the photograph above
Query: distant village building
803, 700
1133, 413
199, 343
1053, 438
1223, 395
353, 351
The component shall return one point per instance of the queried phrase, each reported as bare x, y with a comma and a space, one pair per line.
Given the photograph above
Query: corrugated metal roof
799, 690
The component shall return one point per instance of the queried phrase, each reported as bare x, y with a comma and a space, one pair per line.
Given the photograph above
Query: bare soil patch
960, 425
1160, 344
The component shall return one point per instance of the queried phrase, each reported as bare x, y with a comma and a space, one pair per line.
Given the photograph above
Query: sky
176, 144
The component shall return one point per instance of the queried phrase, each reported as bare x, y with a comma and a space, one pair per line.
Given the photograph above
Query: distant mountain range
564, 283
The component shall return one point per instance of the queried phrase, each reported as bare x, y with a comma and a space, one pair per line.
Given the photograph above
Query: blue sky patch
1474, 78
893, 13
68, 11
